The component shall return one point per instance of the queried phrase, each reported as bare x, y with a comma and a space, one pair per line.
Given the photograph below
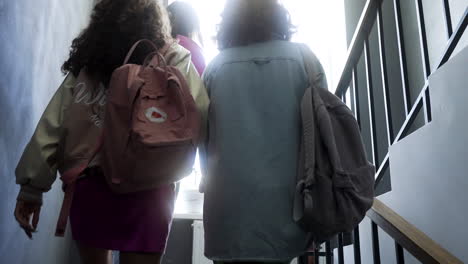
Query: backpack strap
161, 51
308, 117
130, 52
306, 165
69, 178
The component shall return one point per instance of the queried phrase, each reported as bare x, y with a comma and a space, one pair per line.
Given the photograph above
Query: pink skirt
136, 222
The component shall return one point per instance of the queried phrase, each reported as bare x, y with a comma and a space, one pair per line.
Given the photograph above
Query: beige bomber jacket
37, 168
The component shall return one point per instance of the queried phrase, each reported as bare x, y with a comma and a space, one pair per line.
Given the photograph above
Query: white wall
35, 37
429, 167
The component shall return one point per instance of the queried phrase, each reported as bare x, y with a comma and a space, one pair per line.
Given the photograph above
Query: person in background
136, 224
185, 27
255, 86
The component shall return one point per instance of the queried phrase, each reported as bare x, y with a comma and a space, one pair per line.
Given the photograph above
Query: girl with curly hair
255, 84
136, 224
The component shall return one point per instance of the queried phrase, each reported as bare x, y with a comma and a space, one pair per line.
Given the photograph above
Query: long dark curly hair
114, 27
250, 21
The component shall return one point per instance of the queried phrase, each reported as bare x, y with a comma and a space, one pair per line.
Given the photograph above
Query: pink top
196, 51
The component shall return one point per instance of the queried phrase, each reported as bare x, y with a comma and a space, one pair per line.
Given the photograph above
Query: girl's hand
24, 211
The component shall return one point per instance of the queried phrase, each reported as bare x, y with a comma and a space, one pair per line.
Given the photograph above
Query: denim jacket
252, 153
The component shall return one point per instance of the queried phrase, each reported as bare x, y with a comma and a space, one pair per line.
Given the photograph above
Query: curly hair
114, 27
246, 22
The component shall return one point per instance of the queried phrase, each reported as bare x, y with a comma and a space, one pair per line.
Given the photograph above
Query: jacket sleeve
204, 156
182, 61
37, 168
207, 75
196, 86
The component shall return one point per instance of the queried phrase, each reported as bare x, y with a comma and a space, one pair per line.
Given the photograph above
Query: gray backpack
335, 185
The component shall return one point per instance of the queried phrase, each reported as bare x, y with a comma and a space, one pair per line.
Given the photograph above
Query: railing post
316, 254
357, 246
453, 41
340, 249
427, 106
370, 99
448, 18
357, 111
423, 39
328, 253
383, 65
375, 243
400, 256
402, 56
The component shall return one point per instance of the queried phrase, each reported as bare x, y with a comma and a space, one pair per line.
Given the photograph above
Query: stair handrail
405, 234
408, 236
356, 47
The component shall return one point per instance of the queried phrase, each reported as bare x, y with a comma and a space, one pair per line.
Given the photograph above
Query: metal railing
360, 44
406, 236
414, 241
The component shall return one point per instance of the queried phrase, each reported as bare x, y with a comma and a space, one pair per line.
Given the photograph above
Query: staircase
416, 221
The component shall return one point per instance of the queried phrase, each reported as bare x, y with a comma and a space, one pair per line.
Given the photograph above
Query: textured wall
34, 41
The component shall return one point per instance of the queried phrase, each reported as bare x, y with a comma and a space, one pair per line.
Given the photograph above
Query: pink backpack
151, 125
149, 135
